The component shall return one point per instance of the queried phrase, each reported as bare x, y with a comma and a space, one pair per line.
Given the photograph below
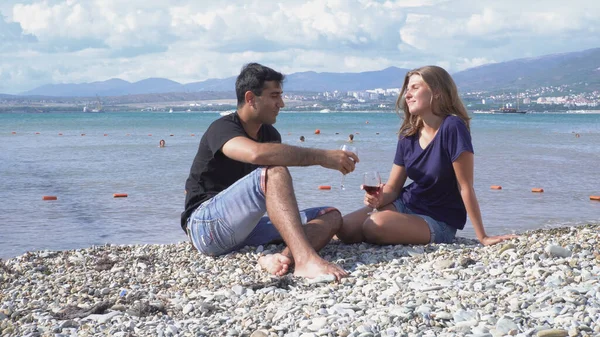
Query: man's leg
219, 225
319, 231
282, 209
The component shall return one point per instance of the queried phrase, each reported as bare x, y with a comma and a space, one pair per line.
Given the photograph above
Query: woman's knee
333, 218
350, 231
372, 230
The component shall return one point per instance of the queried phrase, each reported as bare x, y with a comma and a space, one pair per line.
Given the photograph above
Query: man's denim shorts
440, 231
236, 218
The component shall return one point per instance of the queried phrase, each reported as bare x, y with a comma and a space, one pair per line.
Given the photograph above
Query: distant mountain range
577, 69
580, 69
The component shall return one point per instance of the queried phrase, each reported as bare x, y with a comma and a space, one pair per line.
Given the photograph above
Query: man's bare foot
317, 266
276, 264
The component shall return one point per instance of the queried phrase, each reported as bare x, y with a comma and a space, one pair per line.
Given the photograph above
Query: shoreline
165, 109
545, 283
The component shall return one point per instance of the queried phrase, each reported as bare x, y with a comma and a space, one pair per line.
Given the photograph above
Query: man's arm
275, 154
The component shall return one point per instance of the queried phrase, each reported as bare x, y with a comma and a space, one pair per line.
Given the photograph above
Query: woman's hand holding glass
373, 200
373, 187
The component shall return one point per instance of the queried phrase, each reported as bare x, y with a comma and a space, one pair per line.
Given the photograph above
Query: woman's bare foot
316, 267
276, 264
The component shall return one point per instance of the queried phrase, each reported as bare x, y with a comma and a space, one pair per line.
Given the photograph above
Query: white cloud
187, 40
116, 24
473, 62
12, 33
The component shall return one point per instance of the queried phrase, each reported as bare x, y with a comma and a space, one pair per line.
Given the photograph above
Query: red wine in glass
372, 190
371, 184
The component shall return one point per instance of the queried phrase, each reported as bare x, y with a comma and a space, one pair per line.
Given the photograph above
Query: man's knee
277, 171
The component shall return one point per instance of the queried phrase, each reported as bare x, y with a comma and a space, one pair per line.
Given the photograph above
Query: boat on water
324, 111
506, 110
97, 108
227, 112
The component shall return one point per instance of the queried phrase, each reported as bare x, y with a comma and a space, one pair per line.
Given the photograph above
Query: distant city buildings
384, 99
558, 98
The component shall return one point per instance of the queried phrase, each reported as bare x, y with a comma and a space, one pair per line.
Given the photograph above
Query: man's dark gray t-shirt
212, 171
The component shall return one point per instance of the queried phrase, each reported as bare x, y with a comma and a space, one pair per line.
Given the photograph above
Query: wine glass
348, 148
372, 184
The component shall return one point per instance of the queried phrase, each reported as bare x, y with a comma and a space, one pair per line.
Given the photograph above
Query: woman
435, 151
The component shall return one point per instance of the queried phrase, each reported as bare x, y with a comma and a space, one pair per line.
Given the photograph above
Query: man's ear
249, 97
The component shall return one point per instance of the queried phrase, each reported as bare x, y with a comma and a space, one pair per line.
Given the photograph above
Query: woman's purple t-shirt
434, 190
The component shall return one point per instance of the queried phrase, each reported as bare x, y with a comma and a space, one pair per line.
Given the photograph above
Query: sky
77, 41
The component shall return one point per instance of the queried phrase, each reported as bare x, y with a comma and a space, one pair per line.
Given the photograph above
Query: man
240, 172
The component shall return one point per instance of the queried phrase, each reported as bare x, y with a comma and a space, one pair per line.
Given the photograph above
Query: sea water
99, 154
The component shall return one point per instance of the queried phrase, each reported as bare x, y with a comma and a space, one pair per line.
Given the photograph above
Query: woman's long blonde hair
445, 100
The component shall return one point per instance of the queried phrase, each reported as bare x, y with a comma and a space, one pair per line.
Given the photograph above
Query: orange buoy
595, 197
128, 134
60, 133
537, 190
496, 187
106, 134
37, 133
49, 197
120, 195
317, 132
14, 132
324, 187
149, 134
193, 135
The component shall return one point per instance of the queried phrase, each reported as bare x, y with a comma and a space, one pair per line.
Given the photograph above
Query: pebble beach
544, 283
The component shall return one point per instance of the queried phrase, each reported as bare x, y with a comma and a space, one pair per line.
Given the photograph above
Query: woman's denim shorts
440, 231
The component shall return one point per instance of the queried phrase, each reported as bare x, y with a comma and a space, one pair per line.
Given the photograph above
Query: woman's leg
351, 230
352, 225
388, 227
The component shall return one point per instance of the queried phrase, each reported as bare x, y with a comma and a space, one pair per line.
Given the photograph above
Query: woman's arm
463, 168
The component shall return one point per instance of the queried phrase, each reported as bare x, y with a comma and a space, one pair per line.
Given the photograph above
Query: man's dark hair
252, 78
